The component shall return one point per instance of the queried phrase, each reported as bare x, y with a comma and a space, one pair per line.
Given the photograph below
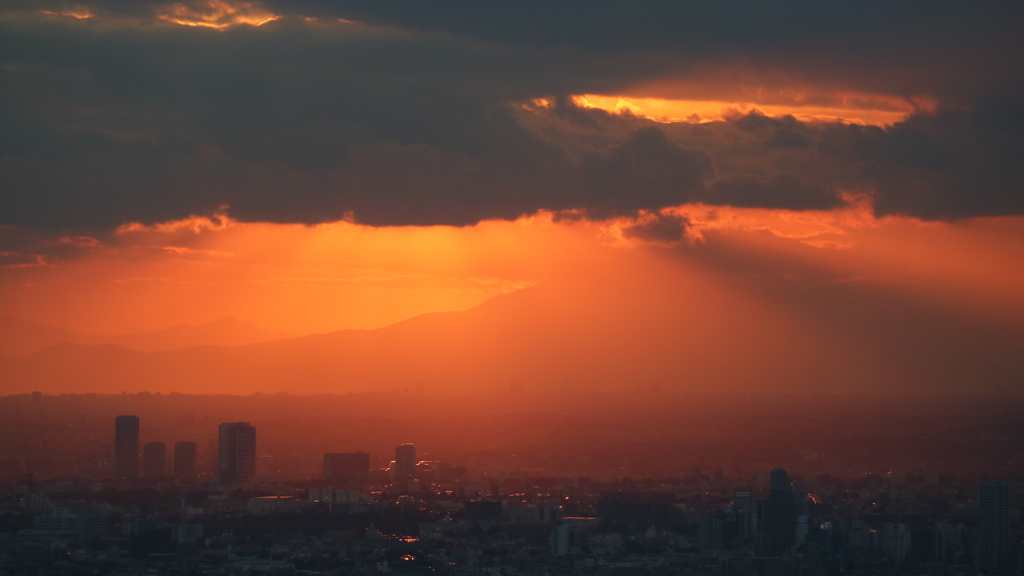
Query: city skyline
612, 435
584, 287
716, 522
788, 484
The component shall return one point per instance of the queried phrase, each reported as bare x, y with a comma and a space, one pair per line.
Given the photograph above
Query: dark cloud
780, 191
951, 165
905, 46
15, 260
646, 171
411, 117
947, 165
297, 123
665, 228
946, 47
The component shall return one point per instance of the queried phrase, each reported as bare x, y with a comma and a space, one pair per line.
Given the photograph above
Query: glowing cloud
848, 109
218, 14
78, 12
80, 241
196, 224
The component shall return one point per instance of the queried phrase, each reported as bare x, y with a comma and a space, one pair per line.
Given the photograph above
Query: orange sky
302, 279
811, 180
830, 107
295, 278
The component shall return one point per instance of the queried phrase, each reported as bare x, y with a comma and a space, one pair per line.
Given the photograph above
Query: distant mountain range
21, 337
681, 334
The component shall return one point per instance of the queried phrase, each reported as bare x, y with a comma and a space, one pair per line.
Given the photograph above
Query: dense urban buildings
518, 525
354, 513
126, 447
236, 456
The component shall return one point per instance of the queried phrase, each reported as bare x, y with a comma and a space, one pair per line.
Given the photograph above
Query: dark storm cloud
108, 121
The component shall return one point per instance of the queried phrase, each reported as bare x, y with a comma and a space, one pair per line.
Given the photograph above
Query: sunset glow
699, 111
218, 14
77, 12
468, 287
271, 196
303, 279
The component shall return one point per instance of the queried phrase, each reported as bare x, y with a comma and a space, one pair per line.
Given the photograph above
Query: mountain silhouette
606, 333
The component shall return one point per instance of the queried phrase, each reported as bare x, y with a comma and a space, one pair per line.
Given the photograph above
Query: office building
236, 453
709, 533
348, 467
780, 512
126, 447
154, 460
185, 468
405, 461
992, 555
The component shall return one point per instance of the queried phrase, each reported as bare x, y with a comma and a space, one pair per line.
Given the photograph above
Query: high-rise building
154, 460
405, 461
709, 533
993, 551
126, 447
346, 467
779, 479
236, 454
185, 468
780, 512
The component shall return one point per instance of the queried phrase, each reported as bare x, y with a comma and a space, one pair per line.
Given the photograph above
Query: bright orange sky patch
303, 279
295, 278
77, 12
855, 110
217, 14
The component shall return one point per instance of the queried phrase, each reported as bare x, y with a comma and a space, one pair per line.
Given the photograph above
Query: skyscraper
993, 553
126, 447
780, 512
780, 480
236, 457
405, 461
154, 460
185, 461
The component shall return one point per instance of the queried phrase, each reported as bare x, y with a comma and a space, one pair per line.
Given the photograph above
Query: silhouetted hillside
620, 335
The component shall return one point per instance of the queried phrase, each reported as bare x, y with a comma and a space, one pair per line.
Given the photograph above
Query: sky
315, 166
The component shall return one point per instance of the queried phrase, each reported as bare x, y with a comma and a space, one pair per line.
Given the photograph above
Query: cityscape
511, 288
223, 505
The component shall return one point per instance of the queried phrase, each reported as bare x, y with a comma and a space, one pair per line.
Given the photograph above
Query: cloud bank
396, 114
